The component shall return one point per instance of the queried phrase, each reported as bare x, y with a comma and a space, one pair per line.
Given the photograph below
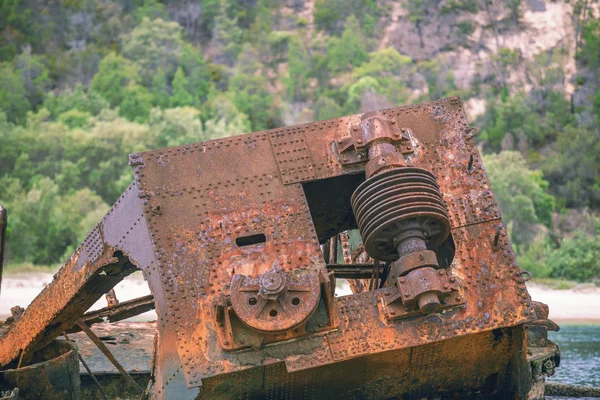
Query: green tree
101, 151
11, 146
224, 119
590, 49
227, 37
331, 15
34, 75
248, 90
576, 258
326, 108
350, 50
181, 97
113, 76
15, 26
537, 116
219, 108
74, 118
359, 91
210, 10
574, 167
137, 103
159, 89
13, 97
151, 9
391, 70
175, 126
154, 44
196, 71
298, 69
45, 224
74, 99
521, 194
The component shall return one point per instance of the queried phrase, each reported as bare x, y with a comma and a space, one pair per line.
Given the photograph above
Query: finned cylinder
385, 201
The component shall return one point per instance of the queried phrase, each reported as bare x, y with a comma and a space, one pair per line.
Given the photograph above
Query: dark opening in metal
250, 240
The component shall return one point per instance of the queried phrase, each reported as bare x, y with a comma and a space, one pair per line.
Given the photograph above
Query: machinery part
377, 140
198, 214
111, 298
400, 212
355, 272
275, 301
379, 136
384, 201
53, 372
424, 286
3, 221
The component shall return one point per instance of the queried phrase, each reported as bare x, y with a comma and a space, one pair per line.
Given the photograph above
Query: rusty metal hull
481, 365
198, 215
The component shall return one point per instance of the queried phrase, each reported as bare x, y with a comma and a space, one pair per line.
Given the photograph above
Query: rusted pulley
385, 201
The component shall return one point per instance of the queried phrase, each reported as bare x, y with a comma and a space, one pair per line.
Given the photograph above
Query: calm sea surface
580, 355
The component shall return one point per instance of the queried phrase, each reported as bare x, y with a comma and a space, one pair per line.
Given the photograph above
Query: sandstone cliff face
479, 40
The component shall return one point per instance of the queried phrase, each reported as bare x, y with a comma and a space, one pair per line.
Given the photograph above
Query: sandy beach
21, 288
580, 304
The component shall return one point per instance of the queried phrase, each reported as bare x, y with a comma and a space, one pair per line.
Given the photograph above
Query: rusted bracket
402, 301
102, 347
373, 128
347, 154
537, 330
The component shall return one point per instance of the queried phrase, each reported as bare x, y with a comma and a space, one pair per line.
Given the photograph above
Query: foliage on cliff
84, 83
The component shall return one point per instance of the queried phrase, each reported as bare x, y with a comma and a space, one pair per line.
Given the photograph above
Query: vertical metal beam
333, 248
111, 298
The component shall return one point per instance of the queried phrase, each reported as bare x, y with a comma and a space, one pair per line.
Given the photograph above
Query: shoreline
574, 306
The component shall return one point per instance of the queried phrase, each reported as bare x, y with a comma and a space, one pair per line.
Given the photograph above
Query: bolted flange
275, 301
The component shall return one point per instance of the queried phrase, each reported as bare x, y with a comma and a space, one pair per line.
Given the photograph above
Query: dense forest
85, 82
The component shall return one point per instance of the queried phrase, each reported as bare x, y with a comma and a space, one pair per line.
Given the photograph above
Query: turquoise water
580, 354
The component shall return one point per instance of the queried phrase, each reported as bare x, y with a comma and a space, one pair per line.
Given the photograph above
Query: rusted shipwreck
241, 241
